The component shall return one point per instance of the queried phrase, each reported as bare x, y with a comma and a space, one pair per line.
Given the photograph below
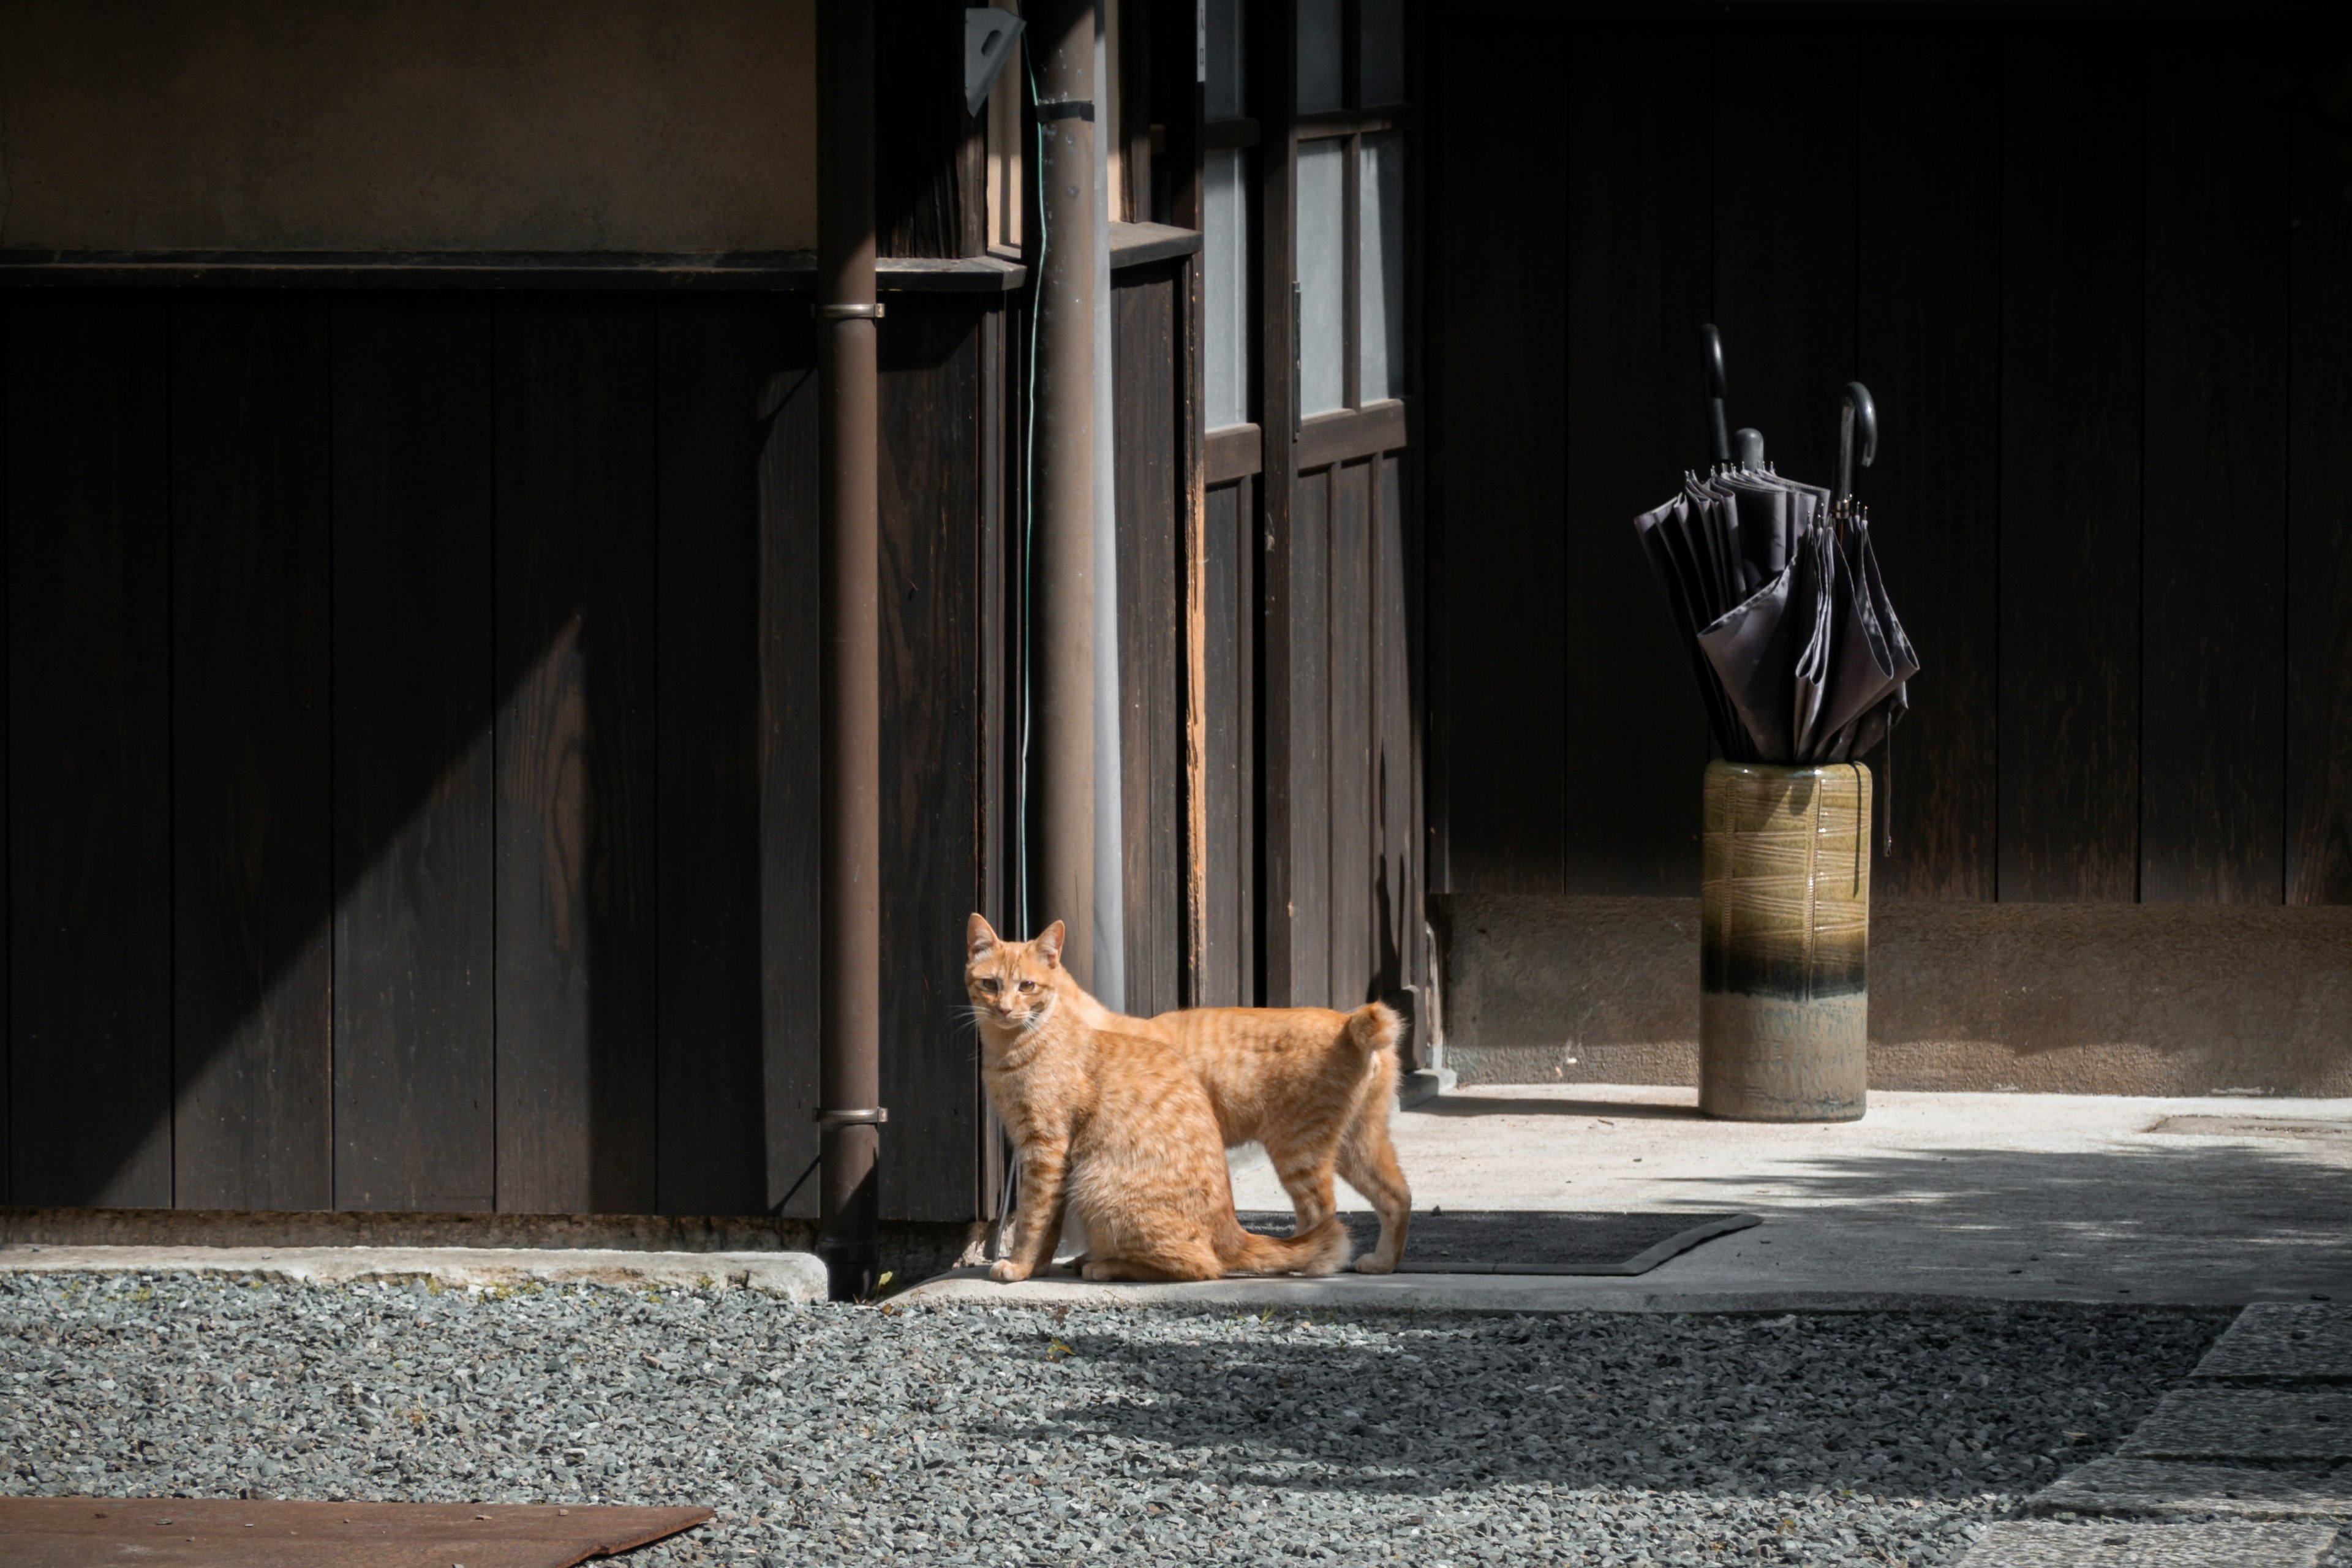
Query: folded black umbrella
1777, 596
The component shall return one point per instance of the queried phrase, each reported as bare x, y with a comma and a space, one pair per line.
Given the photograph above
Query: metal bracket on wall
873, 1117
847, 312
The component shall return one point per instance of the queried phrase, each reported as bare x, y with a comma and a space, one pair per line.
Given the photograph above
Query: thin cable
1029, 510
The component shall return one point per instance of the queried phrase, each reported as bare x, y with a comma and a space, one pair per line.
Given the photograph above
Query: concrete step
2285, 1342
2039, 1543
2171, 1489
2228, 1422
795, 1275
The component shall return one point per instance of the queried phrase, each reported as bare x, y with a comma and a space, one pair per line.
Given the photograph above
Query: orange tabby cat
1115, 1122
1313, 1086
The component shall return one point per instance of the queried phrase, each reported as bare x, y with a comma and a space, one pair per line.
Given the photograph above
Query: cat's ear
1049, 946
979, 936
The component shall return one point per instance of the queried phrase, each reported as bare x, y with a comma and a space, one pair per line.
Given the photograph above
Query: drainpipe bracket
871, 1117
847, 312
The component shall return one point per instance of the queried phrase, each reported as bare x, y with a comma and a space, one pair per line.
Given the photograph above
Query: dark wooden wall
2099, 277
410, 764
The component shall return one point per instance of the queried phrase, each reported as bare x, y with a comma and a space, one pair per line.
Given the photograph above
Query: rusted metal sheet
75, 1531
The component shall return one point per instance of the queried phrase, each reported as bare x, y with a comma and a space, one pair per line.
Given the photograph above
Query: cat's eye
989, 985
1028, 986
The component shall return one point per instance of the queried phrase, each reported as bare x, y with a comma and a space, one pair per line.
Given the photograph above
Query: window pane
1318, 56
1322, 300
1380, 260
1228, 22
1224, 242
1382, 42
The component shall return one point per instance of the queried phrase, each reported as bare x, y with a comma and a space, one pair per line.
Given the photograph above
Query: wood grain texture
930, 153
252, 862
414, 1091
931, 753
1353, 832
89, 809
790, 770
717, 358
1228, 630
1152, 578
575, 746
2213, 684
1496, 486
1786, 144
1928, 294
1640, 259
2072, 206
1396, 904
1306, 740
2318, 807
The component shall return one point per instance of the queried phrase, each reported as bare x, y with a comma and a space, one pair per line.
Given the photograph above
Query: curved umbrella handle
1858, 416
1712, 341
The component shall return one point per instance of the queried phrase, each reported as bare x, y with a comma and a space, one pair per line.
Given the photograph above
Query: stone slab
794, 1276
2220, 1421
2037, 1543
2285, 1342
2174, 1488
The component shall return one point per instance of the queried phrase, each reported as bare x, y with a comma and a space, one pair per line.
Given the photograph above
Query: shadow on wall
2061, 998
385, 715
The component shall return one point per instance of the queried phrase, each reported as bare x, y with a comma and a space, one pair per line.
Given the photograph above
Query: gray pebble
1007, 1436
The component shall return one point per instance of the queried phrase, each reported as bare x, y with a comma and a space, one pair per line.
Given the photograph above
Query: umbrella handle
1748, 449
1857, 415
1713, 345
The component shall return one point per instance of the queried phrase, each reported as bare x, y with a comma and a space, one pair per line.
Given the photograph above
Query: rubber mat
81, 1531
1514, 1241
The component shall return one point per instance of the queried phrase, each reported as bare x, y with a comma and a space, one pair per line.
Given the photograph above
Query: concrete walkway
1931, 1199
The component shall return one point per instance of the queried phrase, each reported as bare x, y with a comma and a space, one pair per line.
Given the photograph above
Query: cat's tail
1374, 1027
1326, 1249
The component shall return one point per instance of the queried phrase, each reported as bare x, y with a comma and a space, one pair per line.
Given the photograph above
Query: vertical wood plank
791, 863
719, 355
1396, 913
2213, 686
2319, 530
1494, 492
2073, 208
1929, 302
575, 748
1224, 742
89, 806
1349, 885
415, 1095
252, 881
1151, 573
1785, 148
1306, 741
931, 752
1639, 244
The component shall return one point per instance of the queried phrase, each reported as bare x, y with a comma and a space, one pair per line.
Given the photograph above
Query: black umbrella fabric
1777, 596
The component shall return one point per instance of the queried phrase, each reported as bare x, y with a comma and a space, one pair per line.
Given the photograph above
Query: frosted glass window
1380, 262
1320, 61
1379, 40
1322, 283
1228, 22
1225, 243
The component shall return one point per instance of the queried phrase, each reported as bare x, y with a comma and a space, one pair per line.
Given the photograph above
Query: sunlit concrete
1931, 1199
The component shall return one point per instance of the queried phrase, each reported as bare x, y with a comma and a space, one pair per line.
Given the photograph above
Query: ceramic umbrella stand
1784, 947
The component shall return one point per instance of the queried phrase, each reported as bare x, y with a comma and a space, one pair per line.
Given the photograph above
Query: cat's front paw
1371, 1263
1008, 1271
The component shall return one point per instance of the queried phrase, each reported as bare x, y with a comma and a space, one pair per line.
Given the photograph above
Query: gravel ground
826, 1434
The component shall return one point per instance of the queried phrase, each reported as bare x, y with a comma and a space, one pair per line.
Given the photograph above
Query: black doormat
1508, 1241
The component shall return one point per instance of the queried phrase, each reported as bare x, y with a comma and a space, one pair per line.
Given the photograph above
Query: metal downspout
849, 720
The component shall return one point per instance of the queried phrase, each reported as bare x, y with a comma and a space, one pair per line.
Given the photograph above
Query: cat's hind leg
1368, 1162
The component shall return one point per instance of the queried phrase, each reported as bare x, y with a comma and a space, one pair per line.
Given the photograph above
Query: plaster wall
2143, 999
406, 125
